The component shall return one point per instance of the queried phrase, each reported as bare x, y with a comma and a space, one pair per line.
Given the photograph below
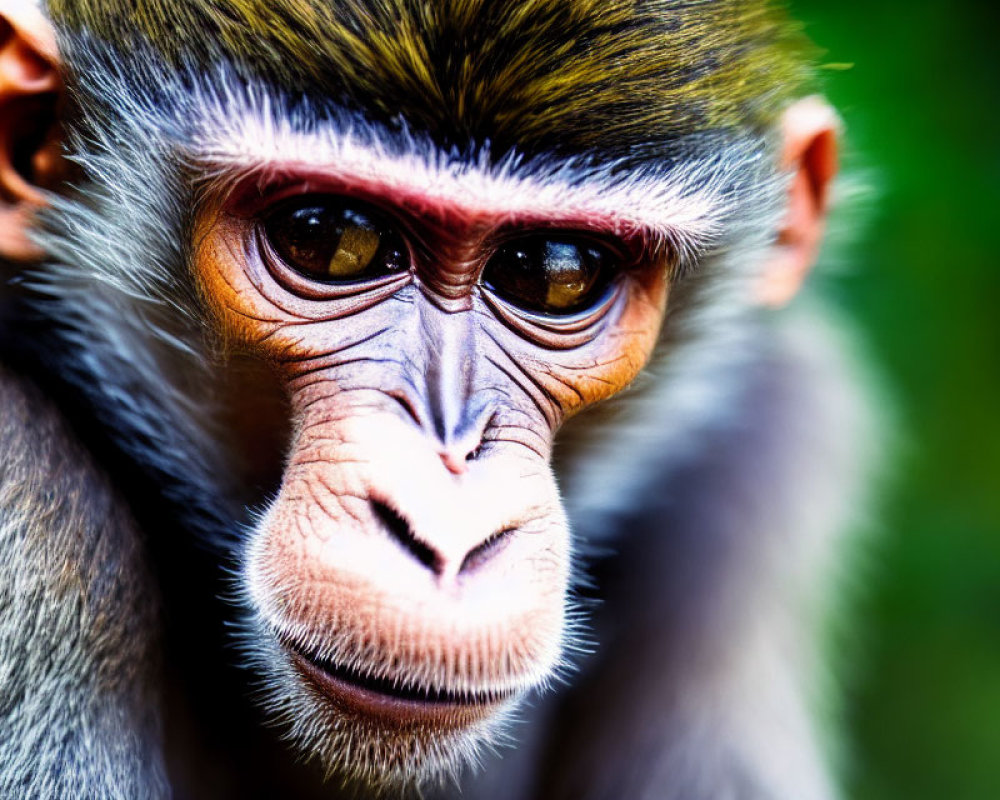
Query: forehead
613, 77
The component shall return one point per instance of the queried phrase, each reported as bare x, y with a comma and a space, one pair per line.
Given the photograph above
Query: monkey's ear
30, 152
809, 129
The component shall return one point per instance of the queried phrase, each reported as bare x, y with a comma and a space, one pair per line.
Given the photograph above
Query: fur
75, 619
570, 76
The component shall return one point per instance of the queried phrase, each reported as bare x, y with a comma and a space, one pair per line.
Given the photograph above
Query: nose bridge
449, 373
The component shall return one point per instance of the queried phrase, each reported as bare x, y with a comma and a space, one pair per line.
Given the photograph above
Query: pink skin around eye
434, 208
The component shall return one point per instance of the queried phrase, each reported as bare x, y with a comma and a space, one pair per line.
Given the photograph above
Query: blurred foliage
918, 85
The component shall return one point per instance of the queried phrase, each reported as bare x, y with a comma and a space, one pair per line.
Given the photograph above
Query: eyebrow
683, 206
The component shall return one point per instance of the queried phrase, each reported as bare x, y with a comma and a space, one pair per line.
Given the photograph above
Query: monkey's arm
77, 707
703, 684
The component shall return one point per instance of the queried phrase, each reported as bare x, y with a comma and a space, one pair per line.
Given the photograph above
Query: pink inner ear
26, 73
810, 131
27, 52
21, 68
821, 163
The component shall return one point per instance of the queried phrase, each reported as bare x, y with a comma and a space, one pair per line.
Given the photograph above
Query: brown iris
555, 275
328, 239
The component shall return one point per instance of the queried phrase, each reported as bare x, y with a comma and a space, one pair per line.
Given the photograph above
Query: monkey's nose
454, 462
456, 457
442, 563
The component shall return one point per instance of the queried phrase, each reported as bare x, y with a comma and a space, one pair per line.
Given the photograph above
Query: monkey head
437, 265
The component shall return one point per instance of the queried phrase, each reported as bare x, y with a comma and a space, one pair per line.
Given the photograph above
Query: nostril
401, 531
484, 551
469, 447
454, 464
478, 441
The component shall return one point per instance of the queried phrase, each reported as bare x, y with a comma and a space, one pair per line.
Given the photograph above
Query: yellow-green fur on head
563, 75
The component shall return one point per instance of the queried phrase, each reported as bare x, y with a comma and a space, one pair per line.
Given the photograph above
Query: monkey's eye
326, 239
554, 275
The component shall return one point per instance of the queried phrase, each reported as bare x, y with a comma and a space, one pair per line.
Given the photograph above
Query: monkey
298, 295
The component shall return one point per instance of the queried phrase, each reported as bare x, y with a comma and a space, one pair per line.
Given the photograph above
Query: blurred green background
921, 100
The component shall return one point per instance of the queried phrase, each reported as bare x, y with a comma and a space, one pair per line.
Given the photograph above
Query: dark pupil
556, 276
331, 243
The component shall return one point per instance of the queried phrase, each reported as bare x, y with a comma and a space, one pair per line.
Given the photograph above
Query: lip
375, 698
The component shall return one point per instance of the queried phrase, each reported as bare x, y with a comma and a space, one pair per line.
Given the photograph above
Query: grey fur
78, 700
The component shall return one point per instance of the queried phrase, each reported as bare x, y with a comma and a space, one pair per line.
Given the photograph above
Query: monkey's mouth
392, 698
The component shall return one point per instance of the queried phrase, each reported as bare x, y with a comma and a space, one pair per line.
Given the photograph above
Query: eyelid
558, 332
290, 280
255, 196
623, 248
327, 200
528, 288
343, 203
